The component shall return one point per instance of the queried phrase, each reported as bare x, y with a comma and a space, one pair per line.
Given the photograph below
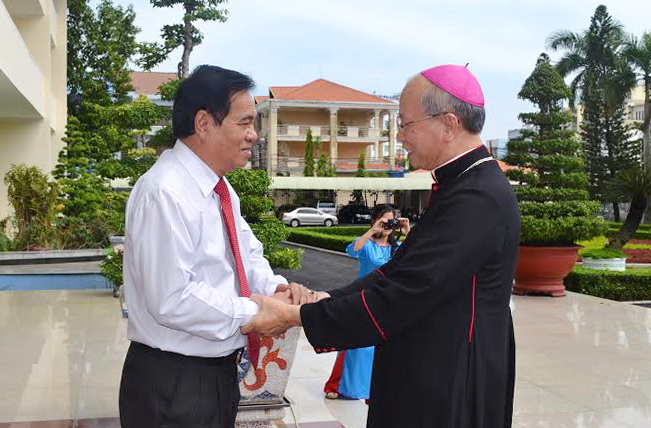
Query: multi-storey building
147, 83
32, 85
348, 122
636, 105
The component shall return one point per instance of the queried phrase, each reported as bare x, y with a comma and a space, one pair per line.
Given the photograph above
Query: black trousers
166, 390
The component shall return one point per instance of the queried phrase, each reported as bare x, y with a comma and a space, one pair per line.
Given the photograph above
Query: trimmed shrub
111, 267
271, 232
286, 258
353, 231
318, 239
633, 284
550, 171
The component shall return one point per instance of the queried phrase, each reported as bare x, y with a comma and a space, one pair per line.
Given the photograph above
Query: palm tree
638, 53
602, 83
634, 185
592, 54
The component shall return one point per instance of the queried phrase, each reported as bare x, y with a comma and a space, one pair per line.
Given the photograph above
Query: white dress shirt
179, 272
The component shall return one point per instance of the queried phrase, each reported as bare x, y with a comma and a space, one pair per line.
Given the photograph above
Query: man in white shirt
191, 261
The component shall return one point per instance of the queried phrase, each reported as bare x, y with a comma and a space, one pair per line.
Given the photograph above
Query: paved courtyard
582, 361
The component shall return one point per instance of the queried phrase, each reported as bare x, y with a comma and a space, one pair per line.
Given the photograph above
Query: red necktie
229, 220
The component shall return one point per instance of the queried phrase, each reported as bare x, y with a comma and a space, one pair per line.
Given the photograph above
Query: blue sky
375, 46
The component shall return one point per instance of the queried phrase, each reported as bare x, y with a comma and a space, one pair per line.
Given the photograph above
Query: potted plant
604, 259
550, 184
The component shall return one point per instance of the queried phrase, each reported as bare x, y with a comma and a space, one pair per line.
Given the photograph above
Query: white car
308, 216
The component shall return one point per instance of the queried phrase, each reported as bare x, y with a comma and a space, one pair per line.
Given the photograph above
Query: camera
391, 224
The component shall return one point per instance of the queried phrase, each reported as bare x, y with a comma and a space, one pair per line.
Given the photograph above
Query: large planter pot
262, 390
618, 265
541, 270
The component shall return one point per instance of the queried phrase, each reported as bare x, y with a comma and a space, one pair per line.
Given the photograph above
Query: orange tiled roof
260, 98
147, 82
323, 90
281, 91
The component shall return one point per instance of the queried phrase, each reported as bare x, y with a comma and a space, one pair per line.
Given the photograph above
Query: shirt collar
198, 169
451, 169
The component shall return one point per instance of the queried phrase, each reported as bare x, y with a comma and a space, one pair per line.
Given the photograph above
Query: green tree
164, 137
550, 175
361, 165
83, 188
602, 83
185, 35
251, 187
638, 53
323, 166
633, 185
546, 89
91, 210
100, 141
308, 169
101, 44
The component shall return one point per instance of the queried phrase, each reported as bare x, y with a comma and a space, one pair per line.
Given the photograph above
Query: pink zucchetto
456, 80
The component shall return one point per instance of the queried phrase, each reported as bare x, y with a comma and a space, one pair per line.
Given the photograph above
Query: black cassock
438, 312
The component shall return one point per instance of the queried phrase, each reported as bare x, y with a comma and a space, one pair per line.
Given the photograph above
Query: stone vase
262, 390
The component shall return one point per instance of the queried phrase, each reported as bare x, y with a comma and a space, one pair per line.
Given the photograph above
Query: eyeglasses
402, 126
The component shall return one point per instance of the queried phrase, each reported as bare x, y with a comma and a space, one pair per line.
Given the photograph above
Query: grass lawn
637, 250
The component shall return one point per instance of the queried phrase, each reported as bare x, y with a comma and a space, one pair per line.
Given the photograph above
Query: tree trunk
184, 65
616, 211
633, 219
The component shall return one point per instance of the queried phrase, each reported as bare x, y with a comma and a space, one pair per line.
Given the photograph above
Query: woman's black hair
378, 212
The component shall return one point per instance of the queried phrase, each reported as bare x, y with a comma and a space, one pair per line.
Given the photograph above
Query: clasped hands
280, 312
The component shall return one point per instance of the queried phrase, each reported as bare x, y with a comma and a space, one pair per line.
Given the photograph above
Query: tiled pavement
582, 362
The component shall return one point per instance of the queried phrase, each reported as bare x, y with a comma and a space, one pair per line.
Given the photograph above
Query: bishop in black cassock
438, 311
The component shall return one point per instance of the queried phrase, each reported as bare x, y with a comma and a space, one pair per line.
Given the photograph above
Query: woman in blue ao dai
351, 374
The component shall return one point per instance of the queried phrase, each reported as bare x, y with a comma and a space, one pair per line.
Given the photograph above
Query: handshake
282, 311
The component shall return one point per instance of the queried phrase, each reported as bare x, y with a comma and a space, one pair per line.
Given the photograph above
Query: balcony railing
294, 166
325, 131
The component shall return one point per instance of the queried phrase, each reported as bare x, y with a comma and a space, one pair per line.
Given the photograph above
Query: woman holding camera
351, 375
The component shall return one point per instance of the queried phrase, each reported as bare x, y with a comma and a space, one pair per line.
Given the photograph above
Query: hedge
616, 225
353, 231
633, 284
639, 234
643, 231
319, 239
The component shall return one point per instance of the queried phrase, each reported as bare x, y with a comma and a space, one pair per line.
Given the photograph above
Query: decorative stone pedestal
263, 389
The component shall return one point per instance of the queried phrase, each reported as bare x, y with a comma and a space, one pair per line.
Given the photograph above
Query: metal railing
294, 166
322, 131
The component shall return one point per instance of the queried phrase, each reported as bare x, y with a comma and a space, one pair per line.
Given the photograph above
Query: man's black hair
208, 88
